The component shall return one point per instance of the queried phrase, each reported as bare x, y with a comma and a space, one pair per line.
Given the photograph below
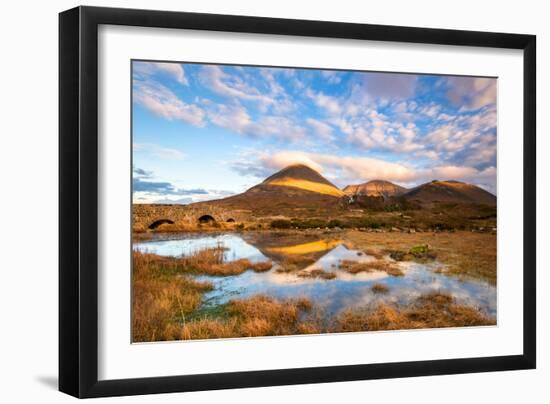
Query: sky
203, 131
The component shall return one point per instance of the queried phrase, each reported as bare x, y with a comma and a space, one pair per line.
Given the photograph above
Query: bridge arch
206, 219
157, 223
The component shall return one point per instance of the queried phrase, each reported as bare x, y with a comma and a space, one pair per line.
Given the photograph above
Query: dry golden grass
374, 252
317, 273
237, 267
309, 327
257, 316
263, 316
379, 288
208, 261
262, 266
435, 310
208, 328
354, 267
159, 301
463, 252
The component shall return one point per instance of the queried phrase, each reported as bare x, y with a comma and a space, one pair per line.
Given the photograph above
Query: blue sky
203, 132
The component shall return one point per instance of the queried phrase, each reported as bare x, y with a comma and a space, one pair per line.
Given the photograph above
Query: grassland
160, 300
269, 215
168, 303
462, 253
165, 308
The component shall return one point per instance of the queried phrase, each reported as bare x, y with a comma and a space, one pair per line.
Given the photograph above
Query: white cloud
465, 139
163, 153
375, 131
345, 170
452, 172
408, 132
175, 198
215, 78
175, 70
472, 93
237, 119
163, 102
320, 128
233, 117
430, 110
330, 104
445, 117
332, 77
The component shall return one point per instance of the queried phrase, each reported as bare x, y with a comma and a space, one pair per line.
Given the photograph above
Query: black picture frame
78, 200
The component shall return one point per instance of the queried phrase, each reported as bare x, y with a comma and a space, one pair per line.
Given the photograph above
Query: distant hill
449, 192
375, 188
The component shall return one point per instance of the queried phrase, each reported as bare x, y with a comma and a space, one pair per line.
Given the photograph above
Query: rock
412, 231
397, 255
395, 229
422, 251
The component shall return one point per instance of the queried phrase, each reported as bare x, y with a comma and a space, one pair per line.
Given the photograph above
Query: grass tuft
434, 310
209, 261
317, 273
379, 288
354, 267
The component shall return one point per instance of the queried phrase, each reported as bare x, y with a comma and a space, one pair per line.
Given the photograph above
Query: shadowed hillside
450, 192
375, 188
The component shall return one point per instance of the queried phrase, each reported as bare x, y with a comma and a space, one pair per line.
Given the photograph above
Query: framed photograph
251, 201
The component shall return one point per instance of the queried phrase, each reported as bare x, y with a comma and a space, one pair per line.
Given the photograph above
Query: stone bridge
146, 216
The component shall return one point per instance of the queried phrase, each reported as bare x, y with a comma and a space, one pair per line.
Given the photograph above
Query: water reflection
235, 246
344, 291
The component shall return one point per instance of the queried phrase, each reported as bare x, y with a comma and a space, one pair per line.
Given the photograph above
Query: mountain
299, 188
295, 186
305, 178
375, 188
449, 192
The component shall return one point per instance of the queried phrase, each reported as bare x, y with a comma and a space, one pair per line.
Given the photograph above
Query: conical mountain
295, 186
302, 177
376, 188
450, 192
